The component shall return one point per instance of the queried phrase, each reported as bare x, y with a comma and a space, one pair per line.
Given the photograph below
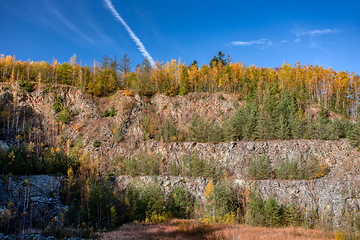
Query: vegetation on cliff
289, 102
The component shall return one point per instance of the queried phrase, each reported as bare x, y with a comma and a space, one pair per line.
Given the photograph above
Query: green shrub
287, 169
143, 164
272, 214
64, 116
106, 113
145, 200
255, 210
201, 130
292, 214
259, 168
57, 106
118, 135
168, 131
193, 166
96, 144
28, 87
223, 197
180, 202
112, 112
312, 169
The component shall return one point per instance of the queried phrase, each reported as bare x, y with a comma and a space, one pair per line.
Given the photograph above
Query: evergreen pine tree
216, 134
283, 127
269, 105
251, 121
261, 130
285, 112
292, 214
234, 126
322, 126
272, 213
299, 124
309, 126
255, 210
354, 135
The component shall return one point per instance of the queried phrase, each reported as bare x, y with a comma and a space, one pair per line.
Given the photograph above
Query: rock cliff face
36, 196
332, 195
236, 155
330, 198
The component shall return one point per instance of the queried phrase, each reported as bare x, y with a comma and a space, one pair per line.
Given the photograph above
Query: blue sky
263, 33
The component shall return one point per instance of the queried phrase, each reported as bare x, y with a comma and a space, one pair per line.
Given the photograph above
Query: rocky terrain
36, 197
332, 195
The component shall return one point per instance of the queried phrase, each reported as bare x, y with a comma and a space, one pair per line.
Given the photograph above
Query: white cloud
318, 32
249, 43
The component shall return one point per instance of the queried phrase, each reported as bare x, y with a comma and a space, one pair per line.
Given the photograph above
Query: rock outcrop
331, 195
36, 198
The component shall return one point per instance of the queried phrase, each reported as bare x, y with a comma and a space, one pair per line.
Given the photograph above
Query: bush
64, 116
145, 200
57, 106
312, 218
193, 166
168, 131
96, 144
112, 112
255, 210
201, 130
28, 87
292, 215
287, 169
180, 202
272, 214
151, 126
106, 113
118, 135
259, 168
312, 169
223, 196
129, 93
142, 165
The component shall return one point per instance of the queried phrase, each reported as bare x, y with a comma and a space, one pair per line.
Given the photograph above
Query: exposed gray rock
3, 145
329, 197
236, 155
37, 197
196, 186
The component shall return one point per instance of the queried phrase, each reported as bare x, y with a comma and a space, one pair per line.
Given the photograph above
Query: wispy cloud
318, 32
71, 26
262, 41
137, 41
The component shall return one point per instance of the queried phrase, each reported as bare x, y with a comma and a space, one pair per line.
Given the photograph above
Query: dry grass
286, 233
171, 230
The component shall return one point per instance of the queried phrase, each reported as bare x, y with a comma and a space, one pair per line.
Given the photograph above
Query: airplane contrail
137, 41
